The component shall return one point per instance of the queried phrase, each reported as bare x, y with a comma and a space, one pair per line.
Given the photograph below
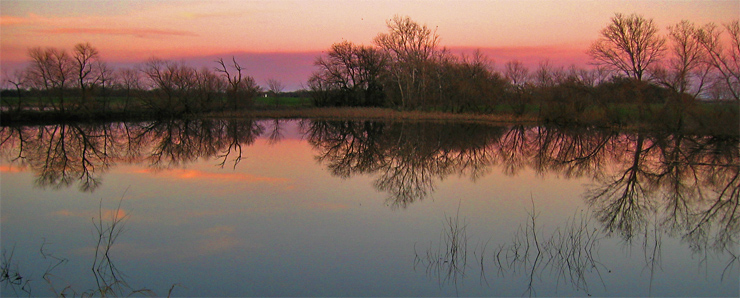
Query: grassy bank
372, 114
696, 117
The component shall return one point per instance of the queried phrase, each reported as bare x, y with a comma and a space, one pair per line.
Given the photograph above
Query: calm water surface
354, 208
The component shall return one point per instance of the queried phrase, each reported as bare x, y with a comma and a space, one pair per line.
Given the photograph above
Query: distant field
120, 101
283, 101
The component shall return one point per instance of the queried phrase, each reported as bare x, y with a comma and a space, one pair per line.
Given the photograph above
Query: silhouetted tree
51, 73
684, 66
241, 89
412, 49
629, 44
518, 76
467, 83
726, 61
19, 79
349, 75
85, 57
129, 80
274, 87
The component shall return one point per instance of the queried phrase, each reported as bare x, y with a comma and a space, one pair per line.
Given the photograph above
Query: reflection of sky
280, 224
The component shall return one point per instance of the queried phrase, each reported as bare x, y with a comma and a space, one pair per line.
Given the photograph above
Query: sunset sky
280, 39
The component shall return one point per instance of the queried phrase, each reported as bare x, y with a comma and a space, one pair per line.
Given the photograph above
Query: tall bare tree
685, 63
726, 61
518, 76
51, 72
629, 45
516, 73
105, 80
349, 74
85, 57
241, 88
129, 80
411, 48
19, 79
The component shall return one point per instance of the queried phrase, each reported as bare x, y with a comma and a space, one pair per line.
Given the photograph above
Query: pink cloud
533, 55
137, 32
106, 214
13, 21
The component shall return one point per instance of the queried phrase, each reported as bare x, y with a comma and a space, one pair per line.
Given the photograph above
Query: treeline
405, 68
80, 84
639, 75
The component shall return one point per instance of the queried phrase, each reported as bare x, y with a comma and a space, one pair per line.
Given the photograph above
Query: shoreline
23, 118
368, 113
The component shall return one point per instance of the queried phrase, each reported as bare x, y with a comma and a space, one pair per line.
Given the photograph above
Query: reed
448, 261
10, 275
109, 280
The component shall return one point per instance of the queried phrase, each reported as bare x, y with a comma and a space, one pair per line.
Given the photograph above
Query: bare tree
129, 80
208, 88
241, 89
630, 45
160, 79
516, 73
274, 87
18, 78
174, 86
51, 72
726, 61
350, 75
411, 47
105, 79
548, 75
685, 70
687, 56
587, 77
85, 57
518, 76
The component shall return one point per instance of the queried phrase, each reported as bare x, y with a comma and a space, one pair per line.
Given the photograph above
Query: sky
281, 39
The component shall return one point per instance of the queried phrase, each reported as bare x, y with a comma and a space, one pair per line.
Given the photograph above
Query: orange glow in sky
137, 30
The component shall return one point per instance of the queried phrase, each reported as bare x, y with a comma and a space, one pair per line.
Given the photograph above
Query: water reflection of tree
407, 156
175, 143
644, 184
63, 154
689, 183
623, 197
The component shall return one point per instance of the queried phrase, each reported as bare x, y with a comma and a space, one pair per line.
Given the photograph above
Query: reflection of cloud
138, 32
10, 169
201, 175
217, 239
106, 214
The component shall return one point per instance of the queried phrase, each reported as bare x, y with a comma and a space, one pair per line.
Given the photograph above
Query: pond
366, 208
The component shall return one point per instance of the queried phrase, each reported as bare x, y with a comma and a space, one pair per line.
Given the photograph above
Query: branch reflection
64, 154
408, 157
690, 184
